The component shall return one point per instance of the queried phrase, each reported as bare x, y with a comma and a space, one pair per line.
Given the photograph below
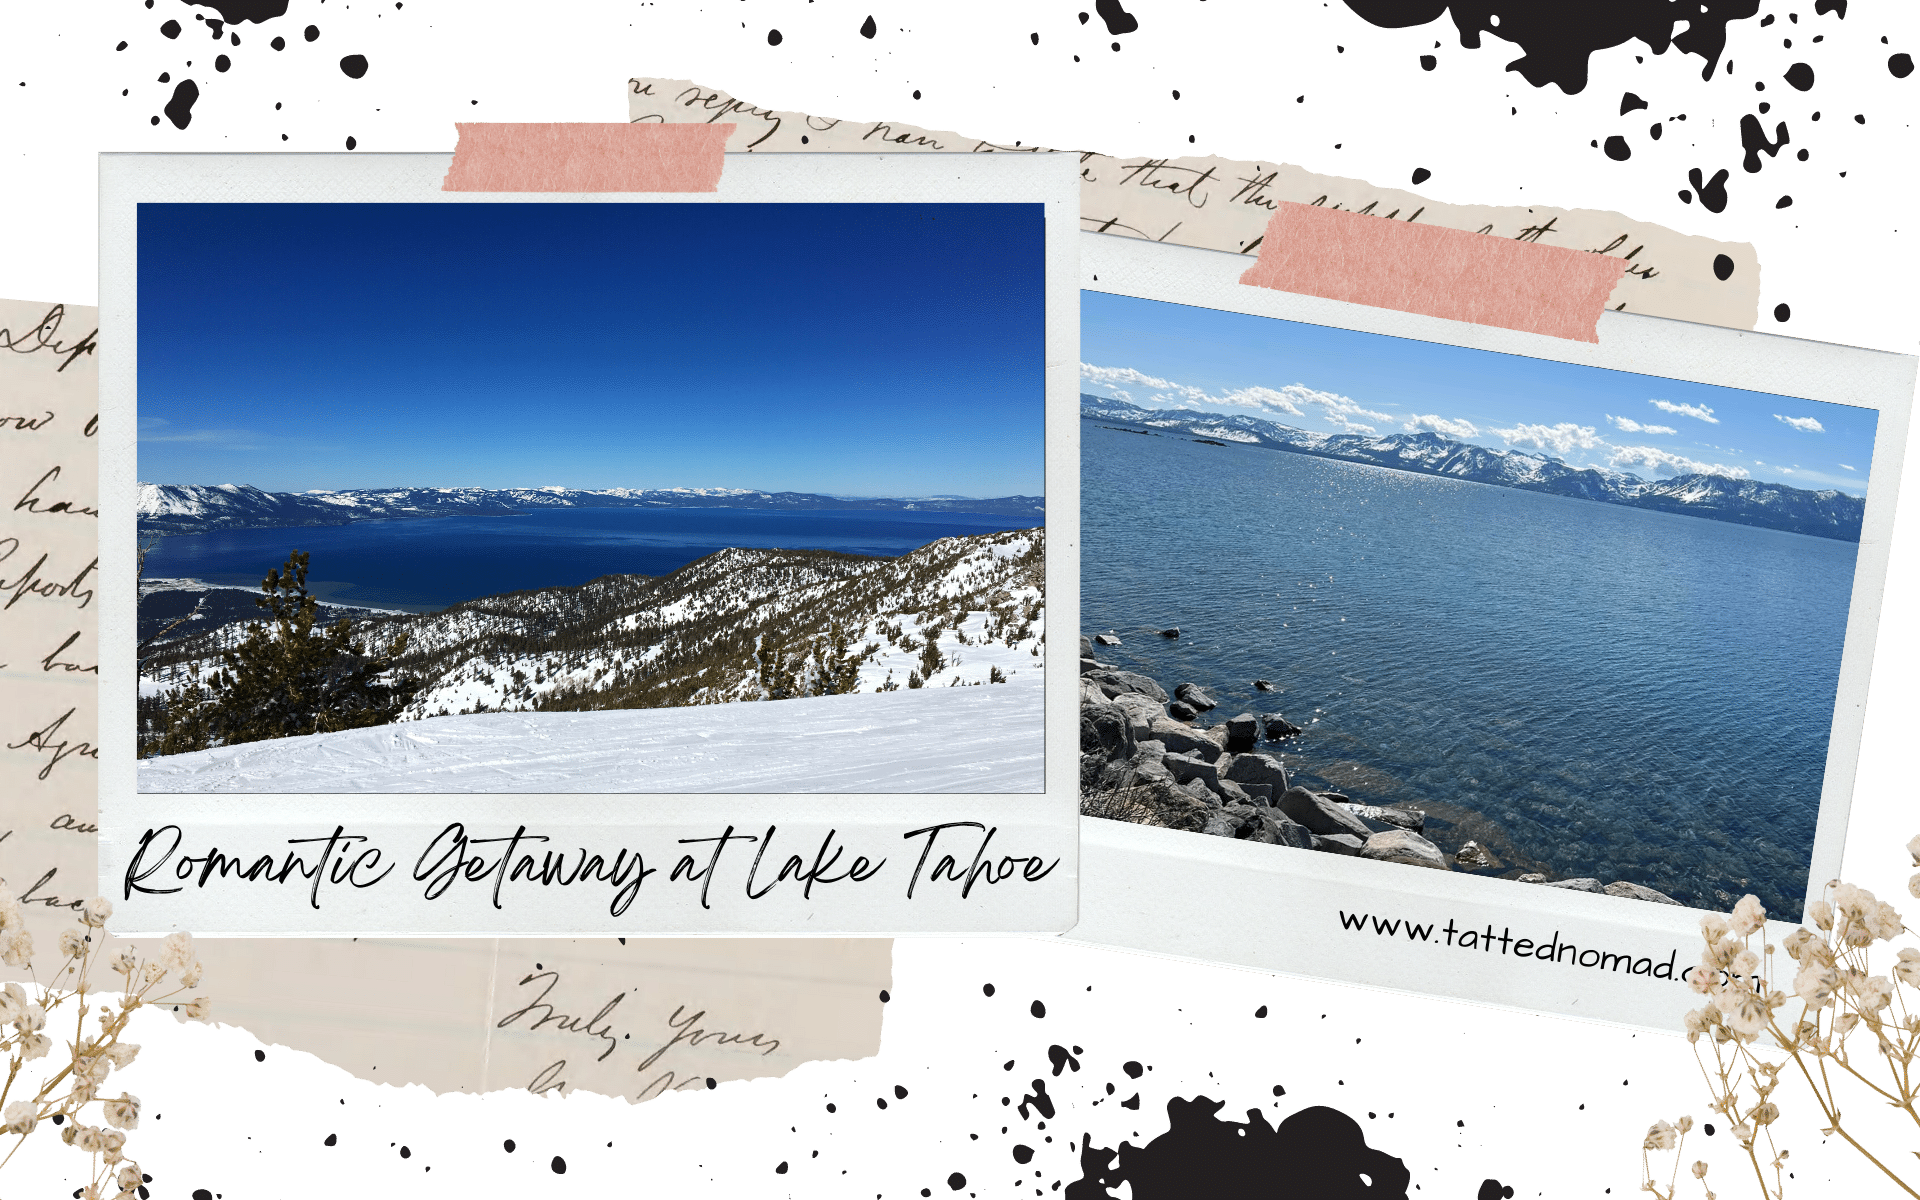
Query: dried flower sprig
25, 1015
1752, 1039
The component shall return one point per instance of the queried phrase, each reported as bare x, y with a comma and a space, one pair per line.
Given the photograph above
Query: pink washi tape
580, 157
1439, 272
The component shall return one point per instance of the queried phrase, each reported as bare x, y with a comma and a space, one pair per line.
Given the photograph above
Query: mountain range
1826, 513
167, 508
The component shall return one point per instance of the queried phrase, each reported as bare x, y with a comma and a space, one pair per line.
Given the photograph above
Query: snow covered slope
952, 739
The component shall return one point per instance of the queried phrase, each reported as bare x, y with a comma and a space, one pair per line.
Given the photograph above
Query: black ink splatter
353, 66
333, 1139
1617, 148
222, 63
507, 1145
1038, 1009
1713, 192
352, 142
1722, 267
1800, 75
405, 1152
1784, 202
1428, 62
1557, 48
312, 33
1061, 1060
170, 30
781, 1169
1781, 312
278, 43
1133, 1069
1118, 19
1629, 102
986, 989
773, 37
1753, 140
1038, 1100
179, 110
1023, 1154
1901, 65
956, 1181
235, 11
868, 29
559, 1164
1492, 1189
259, 1056
1318, 1152
1837, 7
1418, 177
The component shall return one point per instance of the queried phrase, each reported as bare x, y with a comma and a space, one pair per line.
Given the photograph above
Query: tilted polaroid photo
554, 563
1457, 659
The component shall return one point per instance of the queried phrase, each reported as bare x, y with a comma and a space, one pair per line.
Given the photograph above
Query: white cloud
1803, 424
1845, 467
1560, 438
159, 429
1698, 412
1455, 429
1294, 400
1664, 462
1629, 425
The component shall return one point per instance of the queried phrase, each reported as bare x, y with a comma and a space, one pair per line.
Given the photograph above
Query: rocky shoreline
1147, 757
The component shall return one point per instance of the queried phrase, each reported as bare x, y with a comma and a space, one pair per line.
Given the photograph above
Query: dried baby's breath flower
1744, 963
1885, 922
1913, 886
121, 1054
16, 947
1816, 985
152, 973
177, 951
123, 1113
190, 977
1765, 1113
129, 1178
1907, 970
33, 1045
13, 1002
1796, 942
1714, 927
1684, 1124
94, 913
1822, 914
1661, 1136
20, 1117
1844, 1023
199, 1008
1748, 917
72, 943
1746, 1013
1742, 1133
124, 962
32, 1018
1699, 1170
87, 1138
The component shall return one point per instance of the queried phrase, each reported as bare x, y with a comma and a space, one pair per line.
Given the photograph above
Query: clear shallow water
1583, 688
428, 564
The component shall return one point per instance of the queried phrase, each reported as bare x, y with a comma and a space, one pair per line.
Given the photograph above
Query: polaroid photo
1460, 660
588, 564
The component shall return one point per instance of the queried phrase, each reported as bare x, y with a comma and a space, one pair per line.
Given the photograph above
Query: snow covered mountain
736, 625
193, 508
1829, 514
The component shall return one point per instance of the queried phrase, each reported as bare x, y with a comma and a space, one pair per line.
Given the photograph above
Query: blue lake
1583, 688
424, 565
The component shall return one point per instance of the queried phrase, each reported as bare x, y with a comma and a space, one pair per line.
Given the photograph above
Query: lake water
424, 565
1583, 688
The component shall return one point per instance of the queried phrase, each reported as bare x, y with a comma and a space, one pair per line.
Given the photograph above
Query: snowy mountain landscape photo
1460, 610
576, 498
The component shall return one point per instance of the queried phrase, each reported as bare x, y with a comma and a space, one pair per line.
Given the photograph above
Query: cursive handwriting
28, 423
214, 862
41, 337
30, 584
1029, 867
41, 741
563, 1023
31, 500
66, 821
684, 1031
456, 863
52, 661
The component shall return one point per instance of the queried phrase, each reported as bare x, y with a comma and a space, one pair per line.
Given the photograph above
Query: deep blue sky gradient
852, 349
1220, 351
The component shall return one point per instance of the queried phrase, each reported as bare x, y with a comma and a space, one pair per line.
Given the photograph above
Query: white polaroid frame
1011, 861
1192, 896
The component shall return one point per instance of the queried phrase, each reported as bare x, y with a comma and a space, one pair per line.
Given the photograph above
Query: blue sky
1339, 381
879, 350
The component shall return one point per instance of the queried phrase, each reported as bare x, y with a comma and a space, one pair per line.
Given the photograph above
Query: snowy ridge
1826, 513
700, 635
195, 508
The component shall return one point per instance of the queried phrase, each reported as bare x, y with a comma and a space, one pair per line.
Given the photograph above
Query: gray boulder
1339, 843
1185, 767
1232, 793
1320, 816
1147, 767
1262, 685
1170, 633
1196, 695
1242, 732
1401, 818
1279, 728
1531, 877
1115, 683
1198, 789
1106, 639
1104, 729
1224, 822
1260, 794
1473, 857
1262, 769
1086, 646
1271, 828
1635, 891
1181, 738
1180, 710
1578, 885
1087, 666
1400, 846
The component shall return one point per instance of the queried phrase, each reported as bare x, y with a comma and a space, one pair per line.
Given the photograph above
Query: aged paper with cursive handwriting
1219, 204
634, 1017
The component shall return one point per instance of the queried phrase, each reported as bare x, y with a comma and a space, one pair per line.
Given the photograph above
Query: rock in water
1531, 877
1279, 727
1262, 685
1400, 846
1088, 666
1183, 739
1473, 857
1170, 633
1241, 733
1320, 816
1578, 885
1635, 891
1251, 771
1106, 639
1196, 695
1086, 646
1180, 710
1115, 683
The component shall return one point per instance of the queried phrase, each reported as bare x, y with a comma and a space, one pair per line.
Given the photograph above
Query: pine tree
288, 679
777, 670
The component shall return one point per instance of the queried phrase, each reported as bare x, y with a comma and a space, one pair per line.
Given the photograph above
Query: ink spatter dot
179, 110
1784, 202
1038, 1009
884, 996
333, 1139
1133, 1069
781, 1169
1708, 1128
1118, 20
1713, 192
1617, 148
221, 63
1428, 62
1800, 75
956, 1181
352, 142
312, 33
1420, 176
1900, 64
899, 1093
1782, 313
774, 38
559, 1165
831, 1108
202, 1194
170, 30
1859, 118
916, 93
353, 66
1653, 131
987, 990
1035, 37
1629, 102
1023, 1154
867, 30
259, 1056
165, 77
405, 1153
507, 1145
278, 43
1722, 267
1492, 1189
121, 46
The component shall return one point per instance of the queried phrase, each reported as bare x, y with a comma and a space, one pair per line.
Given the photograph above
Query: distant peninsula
1827, 513
166, 508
